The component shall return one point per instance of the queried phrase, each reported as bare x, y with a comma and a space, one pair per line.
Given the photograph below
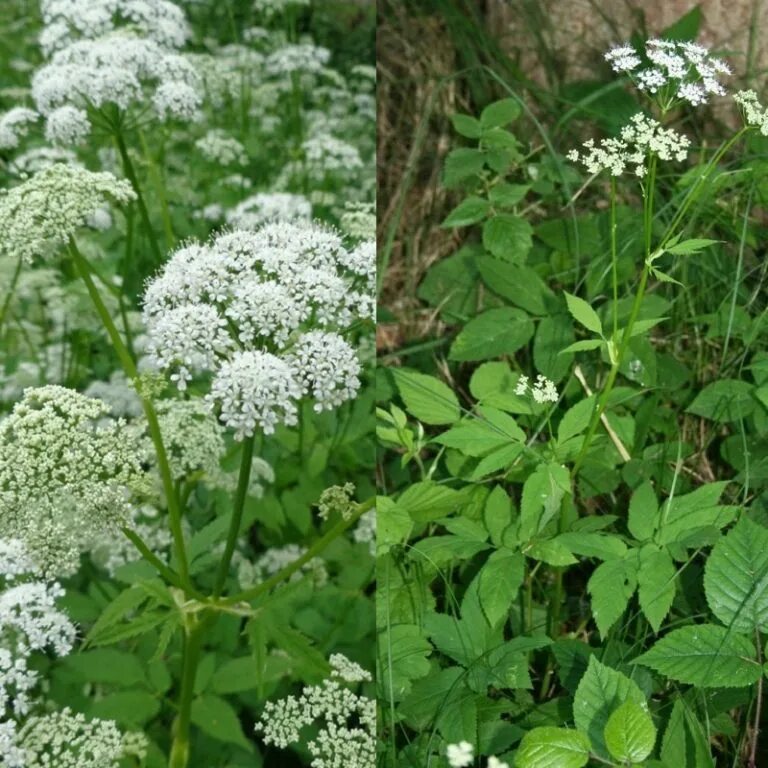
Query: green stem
246, 462
313, 551
11, 291
151, 557
174, 510
614, 265
157, 180
193, 644
130, 172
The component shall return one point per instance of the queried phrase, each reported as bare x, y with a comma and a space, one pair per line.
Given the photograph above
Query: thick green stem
11, 291
193, 644
174, 510
313, 551
130, 172
241, 494
157, 180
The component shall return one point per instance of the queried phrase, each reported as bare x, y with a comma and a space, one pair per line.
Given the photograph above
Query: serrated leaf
461, 164
508, 237
551, 551
128, 600
694, 245
706, 655
736, 578
630, 734
501, 458
504, 194
106, 665
403, 658
576, 419
216, 717
685, 743
724, 400
127, 708
467, 212
236, 675
493, 333
428, 399
585, 345
542, 493
611, 586
655, 584
498, 583
552, 748
500, 113
604, 546
583, 313
466, 125
643, 512
601, 691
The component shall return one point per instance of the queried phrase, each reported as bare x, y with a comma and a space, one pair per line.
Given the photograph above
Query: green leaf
630, 734
507, 195
432, 694
706, 655
127, 708
427, 501
685, 743
493, 333
601, 691
576, 419
452, 284
724, 400
466, 125
467, 212
585, 345
128, 600
656, 584
694, 245
393, 524
498, 583
236, 675
461, 164
505, 279
428, 399
477, 437
500, 459
500, 113
736, 578
551, 551
403, 658
643, 512
216, 717
611, 586
542, 493
583, 313
552, 748
553, 334
508, 237
604, 546
106, 665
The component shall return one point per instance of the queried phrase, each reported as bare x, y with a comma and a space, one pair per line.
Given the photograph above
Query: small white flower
460, 755
544, 390
522, 385
754, 113
494, 762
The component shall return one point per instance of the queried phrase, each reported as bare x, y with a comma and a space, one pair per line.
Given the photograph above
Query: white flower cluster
69, 20
302, 58
38, 159
462, 755
119, 69
273, 560
365, 532
684, 71
66, 471
260, 310
327, 154
264, 207
271, 7
358, 220
642, 137
14, 124
218, 147
543, 391
41, 214
346, 721
755, 114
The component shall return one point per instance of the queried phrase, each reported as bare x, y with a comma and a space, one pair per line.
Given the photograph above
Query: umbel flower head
755, 114
40, 215
260, 311
641, 138
675, 71
67, 471
331, 706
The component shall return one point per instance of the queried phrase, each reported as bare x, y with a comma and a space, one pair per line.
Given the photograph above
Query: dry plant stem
130, 172
241, 494
174, 510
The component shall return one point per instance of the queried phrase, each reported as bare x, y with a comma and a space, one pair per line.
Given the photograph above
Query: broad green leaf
106, 665
585, 345
553, 334
643, 512
552, 748
441, 550
498, 514
127, 708
427, 501
542, 493
500, 113
467, 212
493, 333
216, 717
655, 584
497, 460
477, 437
506, 279
504, 194
466, 125
630, 734
503, 423
452, 284
432, 694
236, 675
603, 546
494, 384
461, 164
694, 245
508, 237
681, 515
736, 578
128, 600
498, 583
611, 586
706, 655
428, 399
685, 743
724, 400
583, 313
576, 419
551, 551
393, 524
601, 691
403, 658
641, 326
